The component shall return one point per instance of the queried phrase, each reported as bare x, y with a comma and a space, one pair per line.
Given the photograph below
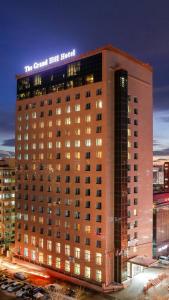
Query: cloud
9, 143
156, 143
164, 152
165, 119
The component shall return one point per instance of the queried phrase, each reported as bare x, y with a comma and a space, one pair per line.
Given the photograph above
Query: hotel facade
84, 165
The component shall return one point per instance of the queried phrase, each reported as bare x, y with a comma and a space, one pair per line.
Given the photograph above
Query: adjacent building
161, 224
84, 164
166, 176
7, 202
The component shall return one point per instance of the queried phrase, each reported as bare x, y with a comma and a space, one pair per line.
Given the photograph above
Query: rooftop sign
50, 60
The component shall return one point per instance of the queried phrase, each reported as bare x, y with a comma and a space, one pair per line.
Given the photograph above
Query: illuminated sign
50, 60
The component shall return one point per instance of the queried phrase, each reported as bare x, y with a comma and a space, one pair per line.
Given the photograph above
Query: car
38, 289
6, 284
164, 260
23, 290
15, 287
3, 278
20, 276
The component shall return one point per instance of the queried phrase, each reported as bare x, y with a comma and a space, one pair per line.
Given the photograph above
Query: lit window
58, 122
77, 107
41, 146
34, 146
88, 118
77, 143
50, 123
129, 155
67, 250
77, 269
58, 111
33, 254
67, 144
67, 121
41, 257
41, 124
49, 260
67, 265
77, 155
68, 109
41, 243
87, 229
58, 247
33, 240
58, 264
26, 146
49, 145
67, 155
34, 115
88, 130
88, 143
135, 212
98, 142
77, 131
99, 104
129, 132
50, 134
37, 79
34, 125
25, 252
26, 238
87, 272
129, 144
77, 120
98, 258
77, 253
58, 144
99, 154
87, 255
26, 136
49, 245
98, 275
41, 156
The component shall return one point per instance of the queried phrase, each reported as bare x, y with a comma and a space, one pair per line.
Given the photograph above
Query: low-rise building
161, 224
7, 201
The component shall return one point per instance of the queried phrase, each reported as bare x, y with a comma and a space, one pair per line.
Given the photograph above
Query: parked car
6, 284
3, 278
20, 276
164, 260
25, 289
15, 287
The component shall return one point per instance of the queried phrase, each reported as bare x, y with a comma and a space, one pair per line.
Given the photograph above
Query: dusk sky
36, 29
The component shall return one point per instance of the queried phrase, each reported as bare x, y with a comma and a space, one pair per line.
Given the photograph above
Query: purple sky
35, 29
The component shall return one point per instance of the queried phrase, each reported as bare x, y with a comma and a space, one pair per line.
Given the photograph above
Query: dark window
87, 155
88, 106
77, 96
87, 180
58, 100
98, 117
98, 92
98, 129
88, 94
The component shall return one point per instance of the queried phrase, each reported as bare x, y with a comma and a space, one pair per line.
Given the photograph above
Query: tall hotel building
84, 165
